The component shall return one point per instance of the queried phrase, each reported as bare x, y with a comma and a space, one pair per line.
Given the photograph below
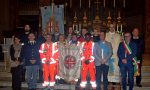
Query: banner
69, 62
46, 13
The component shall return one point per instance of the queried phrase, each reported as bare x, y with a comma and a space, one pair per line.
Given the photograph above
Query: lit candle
121, 28
89, 3
12, 42
117, 28
4, 40
102, 53
104, 3
114, 3
73, 26
124, 3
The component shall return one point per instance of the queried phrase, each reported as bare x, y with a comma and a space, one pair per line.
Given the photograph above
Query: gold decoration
75, 25
109, 19
84, 20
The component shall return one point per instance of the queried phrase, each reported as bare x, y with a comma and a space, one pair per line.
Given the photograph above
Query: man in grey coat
102, 53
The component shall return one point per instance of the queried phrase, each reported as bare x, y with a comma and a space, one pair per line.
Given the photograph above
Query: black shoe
139, 85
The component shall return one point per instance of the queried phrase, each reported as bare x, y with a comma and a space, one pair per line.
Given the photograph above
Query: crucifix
97, 6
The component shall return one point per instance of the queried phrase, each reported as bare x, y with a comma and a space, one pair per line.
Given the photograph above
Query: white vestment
113, 74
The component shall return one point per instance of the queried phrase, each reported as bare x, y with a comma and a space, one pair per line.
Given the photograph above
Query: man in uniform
31, 59
49, 56
88, 62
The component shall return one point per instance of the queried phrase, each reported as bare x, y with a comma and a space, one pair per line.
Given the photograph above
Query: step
7, 86
5, 76
145, 68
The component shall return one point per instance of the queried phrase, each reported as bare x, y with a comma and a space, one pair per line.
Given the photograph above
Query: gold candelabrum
85, 20
75, 25
119, 23
109, 19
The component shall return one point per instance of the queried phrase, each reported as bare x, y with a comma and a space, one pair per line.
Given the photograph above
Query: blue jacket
97, 52
129, 57
30, 52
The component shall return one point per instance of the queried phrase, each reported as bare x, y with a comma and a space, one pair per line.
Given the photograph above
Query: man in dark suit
30, 55
139, 41
24, 39
125, 61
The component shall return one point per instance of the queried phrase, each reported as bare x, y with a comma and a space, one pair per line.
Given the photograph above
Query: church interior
125, 14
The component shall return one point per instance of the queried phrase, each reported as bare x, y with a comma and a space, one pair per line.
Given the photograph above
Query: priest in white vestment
113, 37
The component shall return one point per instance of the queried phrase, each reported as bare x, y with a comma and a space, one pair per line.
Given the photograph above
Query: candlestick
102, 53
114, 3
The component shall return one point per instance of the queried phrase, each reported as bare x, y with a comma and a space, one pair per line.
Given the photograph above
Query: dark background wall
15, 13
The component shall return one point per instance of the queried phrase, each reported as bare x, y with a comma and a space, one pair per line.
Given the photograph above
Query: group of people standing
102, 54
